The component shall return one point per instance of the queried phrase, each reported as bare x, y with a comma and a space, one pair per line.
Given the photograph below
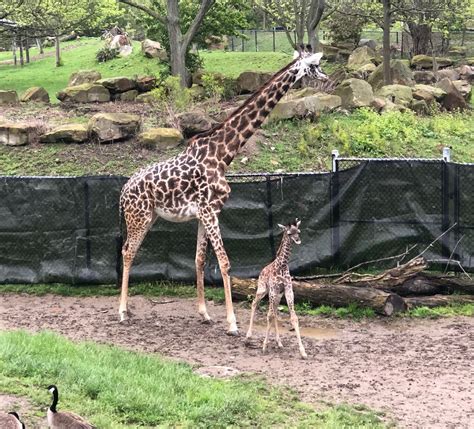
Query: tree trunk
438, 300
39, 45
58, 51
387, 78
381, 302
177, 53
420, 35
22, 61
27, 49
313, 38
14, 50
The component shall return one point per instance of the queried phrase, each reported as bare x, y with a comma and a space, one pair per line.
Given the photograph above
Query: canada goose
64, 419
11, 421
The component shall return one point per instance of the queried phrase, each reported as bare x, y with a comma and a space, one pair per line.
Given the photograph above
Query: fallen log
438, 300
385, 303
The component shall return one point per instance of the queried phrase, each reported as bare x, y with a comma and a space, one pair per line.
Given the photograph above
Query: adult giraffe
192, 185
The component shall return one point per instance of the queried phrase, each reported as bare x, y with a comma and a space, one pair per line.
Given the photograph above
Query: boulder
355, 93
8, 97
301, 107
161, 138
424, 76
331, 53
16, 133
372, 44
420, 107
197, 92
378, 104
457, 51
117, 85
37, 94
146, 83
398, 94
68, 133
250, 81
451, 74
197, 77
362, 56
464, 88
110, 127
85, 93
126, 96
192, 123
426, 62
364, 72
466, 73
420, 89
400, 72
470, 61
152, 49
145, 98
392, 107
453, 99
84, 76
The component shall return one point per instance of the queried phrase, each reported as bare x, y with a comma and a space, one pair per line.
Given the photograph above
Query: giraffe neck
243, 123
284, 251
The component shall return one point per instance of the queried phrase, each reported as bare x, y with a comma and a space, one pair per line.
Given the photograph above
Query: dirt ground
419, 372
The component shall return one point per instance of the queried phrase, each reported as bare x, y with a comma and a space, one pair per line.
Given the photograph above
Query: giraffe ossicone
192, 185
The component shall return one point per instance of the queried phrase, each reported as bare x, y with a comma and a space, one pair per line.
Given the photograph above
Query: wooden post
58, 51
22, 62
274, 44
256, 41
14, 49
27, 49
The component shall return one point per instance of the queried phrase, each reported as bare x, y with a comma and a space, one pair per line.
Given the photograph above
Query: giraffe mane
243, 105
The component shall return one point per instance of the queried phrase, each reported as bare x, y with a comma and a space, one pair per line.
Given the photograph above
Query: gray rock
110, 127
192, 123
355, 93
68, 133
424, 76
362, 56
426, 62
84, 76
152, 49
145, 98
85, 93
436, 93
161, 138
400, 72
451, 74
420, 107
398, 94
464, 88
146, 83
36, 94
453, 99
126, 96
250, 81
466, 73
8, 97
300, 107
16, 133
372, 44
118, 84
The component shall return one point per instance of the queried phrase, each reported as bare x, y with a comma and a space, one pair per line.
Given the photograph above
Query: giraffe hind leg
261, 292
200, 262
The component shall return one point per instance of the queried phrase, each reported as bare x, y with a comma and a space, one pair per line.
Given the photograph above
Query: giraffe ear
315, 58
281, 226
298, 222
296, 55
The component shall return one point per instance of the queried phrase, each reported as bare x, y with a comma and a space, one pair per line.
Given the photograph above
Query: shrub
173, 95
106, 54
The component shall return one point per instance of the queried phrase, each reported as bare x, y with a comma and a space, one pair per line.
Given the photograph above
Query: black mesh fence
67, 229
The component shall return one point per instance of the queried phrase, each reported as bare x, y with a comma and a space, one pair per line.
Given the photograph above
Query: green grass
436, 312
115, 388
44, 73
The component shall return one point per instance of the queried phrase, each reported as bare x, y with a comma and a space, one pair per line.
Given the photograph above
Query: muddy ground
419, 372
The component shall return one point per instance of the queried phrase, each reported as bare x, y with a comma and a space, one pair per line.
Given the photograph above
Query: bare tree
179, 42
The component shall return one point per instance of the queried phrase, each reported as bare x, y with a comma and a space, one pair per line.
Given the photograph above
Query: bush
173, 95
106, 54
345, 27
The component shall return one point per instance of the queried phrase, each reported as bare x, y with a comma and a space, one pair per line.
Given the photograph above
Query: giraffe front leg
294, 319
270, 316
211, 225
275, 311
200, 262
261, 292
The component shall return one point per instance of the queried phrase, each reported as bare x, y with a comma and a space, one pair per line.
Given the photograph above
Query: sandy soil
419, 372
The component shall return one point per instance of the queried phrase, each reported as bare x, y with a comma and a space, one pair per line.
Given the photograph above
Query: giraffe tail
119, 245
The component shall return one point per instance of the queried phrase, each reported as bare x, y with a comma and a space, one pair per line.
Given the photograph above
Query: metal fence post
274, 44
335, 209
446, 154
256, 42
446, 198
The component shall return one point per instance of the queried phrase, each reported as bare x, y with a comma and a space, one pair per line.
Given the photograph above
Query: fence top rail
427, 160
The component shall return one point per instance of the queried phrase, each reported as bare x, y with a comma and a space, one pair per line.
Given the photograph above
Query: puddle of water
308, 332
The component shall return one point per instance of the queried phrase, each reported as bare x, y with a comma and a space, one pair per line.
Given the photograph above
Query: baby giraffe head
309, 63
292, 230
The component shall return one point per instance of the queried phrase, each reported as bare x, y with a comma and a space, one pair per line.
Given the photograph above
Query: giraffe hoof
208, 322
233, 333
124, 318
304, 356
280, 345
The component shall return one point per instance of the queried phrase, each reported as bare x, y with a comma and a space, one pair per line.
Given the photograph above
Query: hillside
300, 145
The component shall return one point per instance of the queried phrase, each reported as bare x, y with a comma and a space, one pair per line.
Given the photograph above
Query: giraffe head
292, 230
308, 63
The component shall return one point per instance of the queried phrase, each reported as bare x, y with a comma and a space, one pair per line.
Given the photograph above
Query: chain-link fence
67, 229
278, 41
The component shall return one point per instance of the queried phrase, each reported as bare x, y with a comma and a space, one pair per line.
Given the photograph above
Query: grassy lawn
114, 388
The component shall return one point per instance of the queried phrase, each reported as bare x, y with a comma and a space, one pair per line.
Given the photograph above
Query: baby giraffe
275, 279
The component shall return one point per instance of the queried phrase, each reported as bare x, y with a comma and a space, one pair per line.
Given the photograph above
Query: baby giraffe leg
294, 319
271, 315
277, 333
261, 292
